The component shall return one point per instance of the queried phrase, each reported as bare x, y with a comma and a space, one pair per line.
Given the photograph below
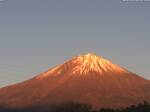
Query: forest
78, 107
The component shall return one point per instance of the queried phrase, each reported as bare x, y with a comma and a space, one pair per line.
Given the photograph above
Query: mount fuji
87, 78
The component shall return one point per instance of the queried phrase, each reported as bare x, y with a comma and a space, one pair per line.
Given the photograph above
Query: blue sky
38, 34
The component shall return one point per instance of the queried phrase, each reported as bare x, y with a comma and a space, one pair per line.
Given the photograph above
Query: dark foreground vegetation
77, 107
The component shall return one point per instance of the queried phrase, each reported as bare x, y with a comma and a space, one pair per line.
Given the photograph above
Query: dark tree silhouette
78, 107
72, 107
142, 107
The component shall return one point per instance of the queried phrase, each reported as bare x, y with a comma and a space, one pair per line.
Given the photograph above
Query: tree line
78, 107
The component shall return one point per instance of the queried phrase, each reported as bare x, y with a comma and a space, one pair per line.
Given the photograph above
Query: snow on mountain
83, 64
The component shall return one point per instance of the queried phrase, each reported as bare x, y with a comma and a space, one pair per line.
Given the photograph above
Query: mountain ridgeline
90, 80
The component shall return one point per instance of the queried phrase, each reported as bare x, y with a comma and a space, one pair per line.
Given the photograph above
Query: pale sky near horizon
36, 35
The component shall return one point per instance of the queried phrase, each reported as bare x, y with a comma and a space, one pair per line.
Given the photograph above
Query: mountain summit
84, 65
85, 78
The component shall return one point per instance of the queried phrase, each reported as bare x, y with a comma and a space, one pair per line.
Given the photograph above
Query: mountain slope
85, 78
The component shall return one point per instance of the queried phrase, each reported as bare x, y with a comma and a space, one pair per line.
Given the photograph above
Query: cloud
2, 0
2, 3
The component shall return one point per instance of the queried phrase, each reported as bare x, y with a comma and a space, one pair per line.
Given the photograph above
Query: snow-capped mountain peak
83, 65
93, 63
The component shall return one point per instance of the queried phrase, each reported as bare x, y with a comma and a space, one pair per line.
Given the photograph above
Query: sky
36, 35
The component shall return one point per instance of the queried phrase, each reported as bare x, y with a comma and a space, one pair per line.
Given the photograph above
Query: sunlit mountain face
88, 79
84, 64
